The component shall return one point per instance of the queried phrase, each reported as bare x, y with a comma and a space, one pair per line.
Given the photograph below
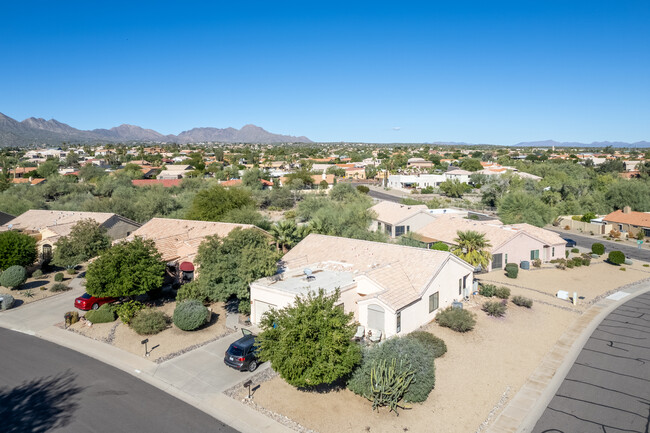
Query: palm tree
472, 248
285, 233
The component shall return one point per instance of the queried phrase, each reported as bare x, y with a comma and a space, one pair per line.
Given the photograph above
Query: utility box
563, 294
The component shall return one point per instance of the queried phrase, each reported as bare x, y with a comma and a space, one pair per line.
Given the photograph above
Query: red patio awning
187, 267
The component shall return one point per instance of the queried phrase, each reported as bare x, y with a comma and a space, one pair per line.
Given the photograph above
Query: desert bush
7, 302
615, 234
502, 293
567, 227
37, 273
570, 264
598, 248
190, 314
512, 271
435, 344
440, 246
522, 301
457, 319
71, 317
58, 277
103, 314
409, 353
487, 290
13, 277
388, 386
575, 250
128, 310
149, 322
645, 265
577, 261
494, 308
622, 268
71, 271
59, 287
616, 257
191, 290
561, 264
537, 263
363, 189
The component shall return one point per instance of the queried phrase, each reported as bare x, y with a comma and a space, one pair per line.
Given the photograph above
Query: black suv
242, 354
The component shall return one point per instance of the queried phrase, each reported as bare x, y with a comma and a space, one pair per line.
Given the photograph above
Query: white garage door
376, 317
260, 309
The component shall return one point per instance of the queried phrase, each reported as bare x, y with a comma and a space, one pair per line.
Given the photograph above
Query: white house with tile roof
391, 288
396, 219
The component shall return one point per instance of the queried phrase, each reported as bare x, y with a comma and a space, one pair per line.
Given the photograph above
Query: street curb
530, 402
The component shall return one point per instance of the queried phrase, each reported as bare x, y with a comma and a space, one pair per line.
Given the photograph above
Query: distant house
22, 172
175, 172
629, 221
317, 179
49, 225
406, 181
396, 219
391, 289
266, 184
509, 243
178, 241
459, 175
165, 183
419, 163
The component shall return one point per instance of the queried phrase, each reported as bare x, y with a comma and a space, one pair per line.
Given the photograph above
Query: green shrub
645, 265
71, 271
409, 353
149, 322
512, 272
570, 264
16, 249
59, 287
487, 290
537, 263
566, 254
616, 257
522, 301
128, 310
598, 248
190, 314
37, 273
622, 269
433, 343
440, 246
494, 308
458, 319
388, 386
502, 293
101, 315
191, 290
7, 302
575, 250
363, 189
577, 261
58, 277
13, 277
71, 317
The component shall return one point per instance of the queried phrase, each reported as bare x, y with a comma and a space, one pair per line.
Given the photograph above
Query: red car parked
87, 302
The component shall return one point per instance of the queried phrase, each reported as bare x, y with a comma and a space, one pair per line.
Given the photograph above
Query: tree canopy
519, 207
214, 203
86, 240
310, 342
16, 249
472, 248
126, 269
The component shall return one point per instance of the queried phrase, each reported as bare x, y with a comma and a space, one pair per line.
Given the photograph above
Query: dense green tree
336, 171
300, 179
310, 342
454, 188
472, 247
253, 178
228, 265
629, 192
89, 172
371, 171
213, 203
16, 249
134, 171
48, 168
126, 269
520, 207
86, 240
471, 164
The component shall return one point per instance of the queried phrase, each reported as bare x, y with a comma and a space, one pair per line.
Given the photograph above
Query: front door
497, 261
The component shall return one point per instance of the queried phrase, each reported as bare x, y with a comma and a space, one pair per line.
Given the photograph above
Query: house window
553, 252
646, 232
506, 262
398, 326
399, 230
378, 226
389, 229
408, 229
534, 254
460, 286
433, 302
620, 227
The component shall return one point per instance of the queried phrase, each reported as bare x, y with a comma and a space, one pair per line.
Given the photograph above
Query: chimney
627, 209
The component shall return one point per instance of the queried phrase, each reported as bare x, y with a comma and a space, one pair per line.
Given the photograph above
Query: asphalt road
608, 388
48, 388
630, 252
384, 196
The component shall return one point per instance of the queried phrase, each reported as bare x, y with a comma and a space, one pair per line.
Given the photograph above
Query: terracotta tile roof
27, 180
167, 183
231, 182
37, 219
178, 239
403, 272
639, 219
393, 213
22, 170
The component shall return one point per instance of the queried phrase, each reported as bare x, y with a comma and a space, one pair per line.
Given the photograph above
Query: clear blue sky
475, 71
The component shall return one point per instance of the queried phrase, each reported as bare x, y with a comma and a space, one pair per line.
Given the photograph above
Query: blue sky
474, 71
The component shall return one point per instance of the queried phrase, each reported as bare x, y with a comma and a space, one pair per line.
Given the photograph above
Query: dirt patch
35, 289
163, 346
480, 372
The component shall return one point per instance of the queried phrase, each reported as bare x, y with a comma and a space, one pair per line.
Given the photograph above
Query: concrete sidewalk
527, 406
198, 377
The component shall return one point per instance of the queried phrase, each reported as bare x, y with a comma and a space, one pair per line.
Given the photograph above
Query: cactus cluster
389, 384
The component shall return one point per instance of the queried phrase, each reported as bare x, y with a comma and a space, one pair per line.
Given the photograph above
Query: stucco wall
518, 249
119, 228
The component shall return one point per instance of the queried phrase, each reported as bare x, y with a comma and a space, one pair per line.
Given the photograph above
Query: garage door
376, 317
260, 309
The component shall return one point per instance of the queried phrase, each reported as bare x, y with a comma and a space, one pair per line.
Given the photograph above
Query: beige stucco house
396, 219
389, 288
629, 222
49, 225
509, 243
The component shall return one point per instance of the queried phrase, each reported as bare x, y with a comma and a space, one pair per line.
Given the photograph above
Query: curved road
48, 388
584, 241
608, 388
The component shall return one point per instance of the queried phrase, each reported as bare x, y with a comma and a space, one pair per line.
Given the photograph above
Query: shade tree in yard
16, 249
86, 240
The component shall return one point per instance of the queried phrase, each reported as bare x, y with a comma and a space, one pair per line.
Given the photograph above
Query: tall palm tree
472, 248
285, 233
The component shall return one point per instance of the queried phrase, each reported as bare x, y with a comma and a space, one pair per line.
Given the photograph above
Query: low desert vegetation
495, 308
598, 248
103, 314
435, 344
457, 319
522, 301
190, 315
149, 322
13, 277
616, 257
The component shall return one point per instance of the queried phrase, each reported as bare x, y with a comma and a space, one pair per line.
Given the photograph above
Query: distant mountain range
52, 132
551, 143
